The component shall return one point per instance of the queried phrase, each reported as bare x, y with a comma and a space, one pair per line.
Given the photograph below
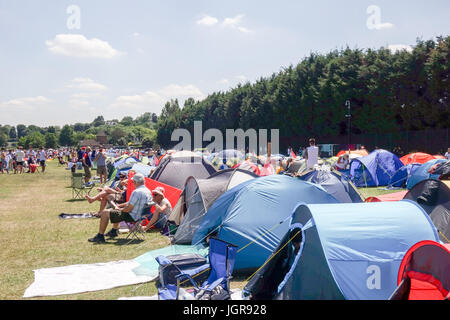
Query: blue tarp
375, 169
422, 173
254, 215
361, 245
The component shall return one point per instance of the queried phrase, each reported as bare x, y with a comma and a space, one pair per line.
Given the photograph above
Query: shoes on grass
99, 238
112, 233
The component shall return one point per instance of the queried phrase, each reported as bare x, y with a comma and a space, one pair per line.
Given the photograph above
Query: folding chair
135, 228
221, 263
79, 189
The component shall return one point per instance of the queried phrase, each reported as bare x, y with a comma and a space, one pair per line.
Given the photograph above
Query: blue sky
129, 57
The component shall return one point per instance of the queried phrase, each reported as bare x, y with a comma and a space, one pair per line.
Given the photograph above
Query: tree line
389, 92
140, 131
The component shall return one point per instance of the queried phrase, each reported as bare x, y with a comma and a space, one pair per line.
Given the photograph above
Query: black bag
182, 262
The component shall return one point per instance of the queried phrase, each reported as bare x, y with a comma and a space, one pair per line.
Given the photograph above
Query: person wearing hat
163, 209
130, 211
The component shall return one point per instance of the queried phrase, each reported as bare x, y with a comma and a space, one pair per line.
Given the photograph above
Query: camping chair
79, 189
135, 230
221, 263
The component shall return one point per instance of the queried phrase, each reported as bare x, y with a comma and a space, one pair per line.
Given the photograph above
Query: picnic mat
78, 216
84, 278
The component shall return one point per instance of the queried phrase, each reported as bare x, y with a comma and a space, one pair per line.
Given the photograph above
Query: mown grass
33, 237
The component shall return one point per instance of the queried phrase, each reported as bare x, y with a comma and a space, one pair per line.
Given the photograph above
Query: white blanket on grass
84, 278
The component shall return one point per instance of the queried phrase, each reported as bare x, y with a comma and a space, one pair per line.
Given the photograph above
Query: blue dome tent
336, 184
254, 215
341, 251
401, 177
422, 173
374, 170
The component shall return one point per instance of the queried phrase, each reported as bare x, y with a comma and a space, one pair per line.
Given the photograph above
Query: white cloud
241, 78
207, 21
177, 91
244, 30
136, 34
77, 45
231, 22
86, 84
27, 103
382, 26
399, 47
153, 101
235, 23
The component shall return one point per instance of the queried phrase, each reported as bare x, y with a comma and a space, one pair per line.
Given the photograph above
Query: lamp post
349, 116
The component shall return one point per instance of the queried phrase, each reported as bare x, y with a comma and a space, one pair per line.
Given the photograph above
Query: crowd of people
24, 161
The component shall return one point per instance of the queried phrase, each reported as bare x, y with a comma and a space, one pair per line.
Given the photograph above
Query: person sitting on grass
130, 211
117, 193
163, 209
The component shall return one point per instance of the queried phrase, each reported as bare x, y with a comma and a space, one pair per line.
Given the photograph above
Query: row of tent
348, 248
383, 168
199, 184
252, 212
379, 168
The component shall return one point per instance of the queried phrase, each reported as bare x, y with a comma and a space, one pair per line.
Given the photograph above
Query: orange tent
418, 157
361, 152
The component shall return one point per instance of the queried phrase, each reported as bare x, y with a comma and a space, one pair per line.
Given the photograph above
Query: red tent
172, 194
248, 165
396, 196
267, 170
424, 273
418, 157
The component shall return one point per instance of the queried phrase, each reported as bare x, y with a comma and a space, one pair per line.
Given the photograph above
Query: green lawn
33, 237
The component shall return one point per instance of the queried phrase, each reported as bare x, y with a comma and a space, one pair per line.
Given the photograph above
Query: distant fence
432, 141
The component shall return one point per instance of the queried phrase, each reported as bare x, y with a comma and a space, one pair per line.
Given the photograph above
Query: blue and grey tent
255, 215
126, 162
336, 184
341, 251
144, 169
374, 170
422, 173
174, 169
401, 177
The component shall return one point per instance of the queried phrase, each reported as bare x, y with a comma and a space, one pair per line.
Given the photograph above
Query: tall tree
66, 137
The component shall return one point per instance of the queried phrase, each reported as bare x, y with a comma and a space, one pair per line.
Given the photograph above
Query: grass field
33, 237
